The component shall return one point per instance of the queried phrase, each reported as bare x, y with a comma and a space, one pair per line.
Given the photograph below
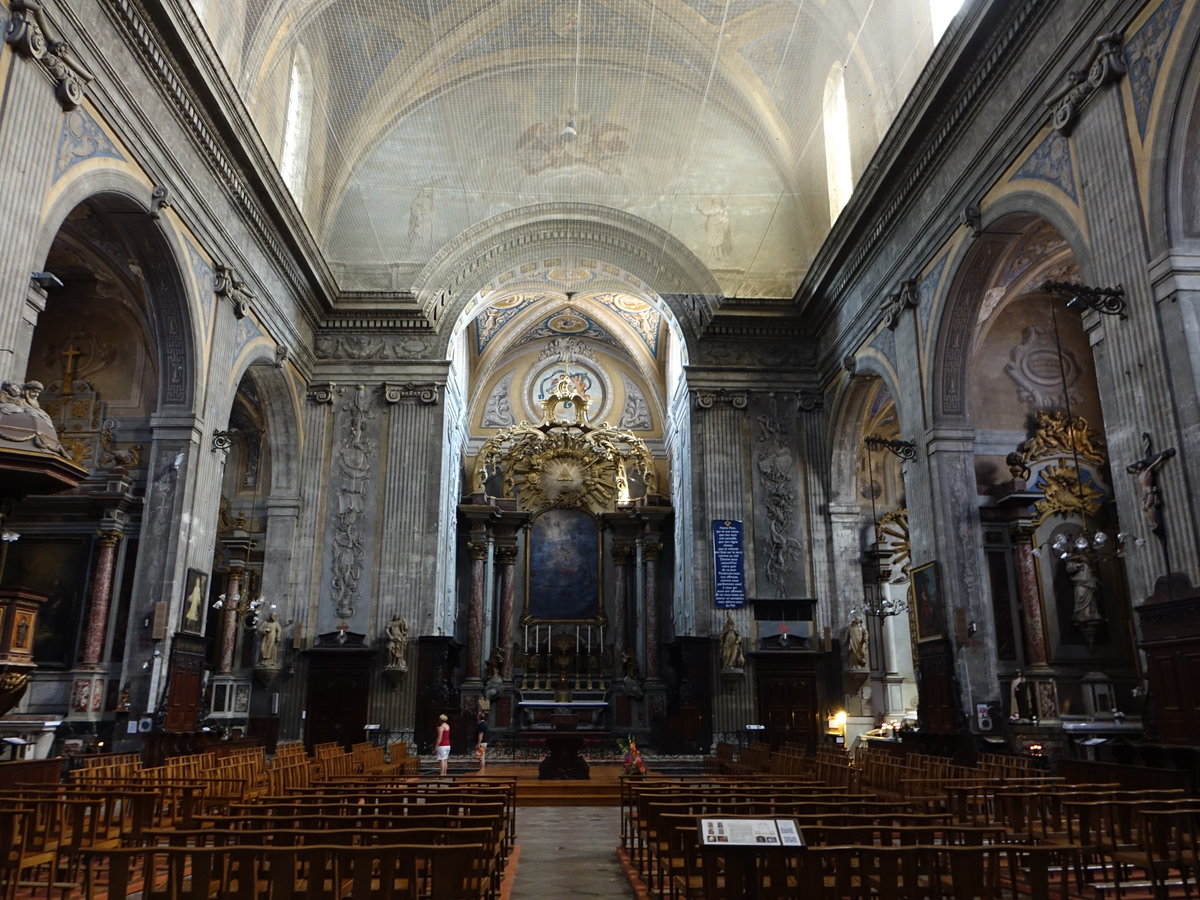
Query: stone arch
577, 231
970, 268
846, 419
280, 406
155, 244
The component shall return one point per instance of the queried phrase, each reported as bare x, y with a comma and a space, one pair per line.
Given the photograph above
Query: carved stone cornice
426, 392
34, 36
907, 297
227, 284
321, 392
707, 399
1105, 65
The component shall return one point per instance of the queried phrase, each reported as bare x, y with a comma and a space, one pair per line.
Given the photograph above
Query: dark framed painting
562, 577
194, 596
928, 602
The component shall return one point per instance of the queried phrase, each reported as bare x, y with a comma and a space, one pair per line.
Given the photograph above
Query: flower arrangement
632, 765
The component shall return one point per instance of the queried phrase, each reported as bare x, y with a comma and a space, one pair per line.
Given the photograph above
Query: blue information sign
729, 564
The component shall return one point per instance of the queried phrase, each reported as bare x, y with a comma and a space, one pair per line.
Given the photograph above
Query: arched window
293, 161
838, 173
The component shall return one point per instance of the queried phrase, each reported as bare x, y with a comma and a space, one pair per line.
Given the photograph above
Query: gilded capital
108, 538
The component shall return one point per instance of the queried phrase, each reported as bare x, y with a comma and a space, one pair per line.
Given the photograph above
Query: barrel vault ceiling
400, 125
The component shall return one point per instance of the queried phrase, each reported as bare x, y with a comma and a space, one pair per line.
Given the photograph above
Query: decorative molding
707, 399
566, 349
895, 304
972, 217
227, 283
321, 392
367, 345
1045, 376
1105, 65
159, 200
34, 36
425, 392
222, 440
809, 401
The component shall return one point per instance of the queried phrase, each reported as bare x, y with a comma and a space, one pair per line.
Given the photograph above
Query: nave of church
718, 376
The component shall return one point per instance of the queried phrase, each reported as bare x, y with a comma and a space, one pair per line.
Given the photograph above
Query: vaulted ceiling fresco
401, 124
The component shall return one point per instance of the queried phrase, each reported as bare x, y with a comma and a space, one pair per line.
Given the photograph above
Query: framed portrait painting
194, 597
928, 602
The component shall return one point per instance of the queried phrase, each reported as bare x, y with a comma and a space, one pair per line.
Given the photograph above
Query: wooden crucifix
1146, 471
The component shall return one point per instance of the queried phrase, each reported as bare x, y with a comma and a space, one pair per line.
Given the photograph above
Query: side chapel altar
578, 505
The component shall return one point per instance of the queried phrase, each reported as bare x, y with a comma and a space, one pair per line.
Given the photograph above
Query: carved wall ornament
565, 461
1065, 493
159, 200
222, 440
972, 217
775, 467
566, 350
355, 458
34, 36
426, 392
358, 346
321, 392
636, 413
227, 283
707, 399
1057, 436
1105, 65
1045, 375
497, 412
809, 401
850, 364
895, 304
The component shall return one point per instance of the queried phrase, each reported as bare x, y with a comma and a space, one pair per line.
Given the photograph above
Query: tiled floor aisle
567, 852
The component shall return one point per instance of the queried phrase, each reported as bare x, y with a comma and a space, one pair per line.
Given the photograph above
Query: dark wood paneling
339, 691
786, 686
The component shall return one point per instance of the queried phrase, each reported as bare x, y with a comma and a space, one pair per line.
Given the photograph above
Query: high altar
566, 515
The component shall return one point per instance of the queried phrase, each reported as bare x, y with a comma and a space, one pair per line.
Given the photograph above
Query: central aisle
569, 851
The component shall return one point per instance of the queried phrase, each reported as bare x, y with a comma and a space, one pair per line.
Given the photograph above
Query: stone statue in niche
857, 643
397, 638
631, 675
268, 651
1086, 611
732, 658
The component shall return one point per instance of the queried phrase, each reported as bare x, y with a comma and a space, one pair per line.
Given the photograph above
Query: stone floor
568, 852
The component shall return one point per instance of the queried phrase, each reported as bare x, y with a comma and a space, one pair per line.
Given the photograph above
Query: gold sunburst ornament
1065, 494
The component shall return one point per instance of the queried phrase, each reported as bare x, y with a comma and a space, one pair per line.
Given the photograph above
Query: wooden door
787, 699
184, 683
339, 689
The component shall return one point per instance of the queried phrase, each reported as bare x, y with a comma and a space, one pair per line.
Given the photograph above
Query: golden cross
68, 379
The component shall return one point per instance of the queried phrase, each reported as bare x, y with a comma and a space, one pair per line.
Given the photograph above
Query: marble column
479, 555
229, 620
1031, 601
651, 551
102, 582
506, 557
622, 558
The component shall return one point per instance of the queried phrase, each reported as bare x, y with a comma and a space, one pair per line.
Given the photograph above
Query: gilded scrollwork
565, 461
1065, 493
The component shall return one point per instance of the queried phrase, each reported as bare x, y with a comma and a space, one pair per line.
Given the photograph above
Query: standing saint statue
731, 645
397, 638
1084, 583
268, 651
856, 643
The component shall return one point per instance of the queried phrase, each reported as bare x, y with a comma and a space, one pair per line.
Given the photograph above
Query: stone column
1031, 600
506, 556
229, 619
651, 551
102, 581
622, 557
479, 553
